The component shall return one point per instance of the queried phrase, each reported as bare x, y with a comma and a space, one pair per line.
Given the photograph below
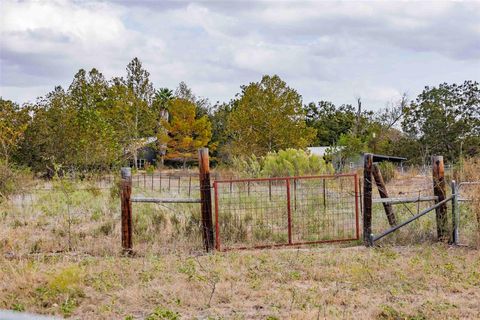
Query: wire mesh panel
172, 184
251, 213
469, 213
255, 213
324, 209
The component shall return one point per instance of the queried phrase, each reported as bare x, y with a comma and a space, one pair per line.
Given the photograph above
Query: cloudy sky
326, 50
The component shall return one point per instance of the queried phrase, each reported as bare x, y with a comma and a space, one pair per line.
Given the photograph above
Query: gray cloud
326, 50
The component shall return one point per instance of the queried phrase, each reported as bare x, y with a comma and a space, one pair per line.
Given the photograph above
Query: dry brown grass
420, 282
60, 254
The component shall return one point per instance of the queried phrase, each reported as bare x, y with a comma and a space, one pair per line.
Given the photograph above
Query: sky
336, 51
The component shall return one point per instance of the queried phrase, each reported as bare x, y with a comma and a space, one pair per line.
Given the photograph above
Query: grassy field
430, 281
60, 254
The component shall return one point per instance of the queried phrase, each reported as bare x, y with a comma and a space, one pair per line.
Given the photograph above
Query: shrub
388, 170
248, 167
12, 180
149, 168
161, 313
292, 162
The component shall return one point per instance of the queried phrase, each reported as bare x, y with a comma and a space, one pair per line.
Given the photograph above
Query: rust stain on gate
259, 213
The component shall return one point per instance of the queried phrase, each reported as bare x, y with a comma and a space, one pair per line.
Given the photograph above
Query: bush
12, 180
292, 162
284, 163
388, 170
249, 167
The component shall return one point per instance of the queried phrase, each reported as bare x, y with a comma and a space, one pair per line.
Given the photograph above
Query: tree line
97, 124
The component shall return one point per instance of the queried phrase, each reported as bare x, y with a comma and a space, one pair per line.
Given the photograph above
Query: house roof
380, 158
321, 151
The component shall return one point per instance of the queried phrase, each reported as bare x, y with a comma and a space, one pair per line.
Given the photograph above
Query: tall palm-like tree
160, 103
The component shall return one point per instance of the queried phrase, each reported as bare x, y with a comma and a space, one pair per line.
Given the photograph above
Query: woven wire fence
256, 213
82, 216
469, 213
420, 186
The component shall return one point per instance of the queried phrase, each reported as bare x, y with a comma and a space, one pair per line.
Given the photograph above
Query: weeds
39, 274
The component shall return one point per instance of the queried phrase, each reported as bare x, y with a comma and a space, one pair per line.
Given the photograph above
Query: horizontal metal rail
160, 200
466, 183
469, 183
325, 176
424, 212
405, 200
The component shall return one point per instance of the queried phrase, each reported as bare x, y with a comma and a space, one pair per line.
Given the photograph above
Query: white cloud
326, 50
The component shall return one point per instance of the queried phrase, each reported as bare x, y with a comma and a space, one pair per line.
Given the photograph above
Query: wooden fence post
126, 201
206, 198
367, 198
439, 190
382, 190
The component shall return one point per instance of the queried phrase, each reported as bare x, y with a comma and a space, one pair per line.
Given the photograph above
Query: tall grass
79, 216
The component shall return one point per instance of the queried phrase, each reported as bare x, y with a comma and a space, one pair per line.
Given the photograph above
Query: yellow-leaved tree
185, 133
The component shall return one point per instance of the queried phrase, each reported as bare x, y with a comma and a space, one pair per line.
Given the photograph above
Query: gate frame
289, 214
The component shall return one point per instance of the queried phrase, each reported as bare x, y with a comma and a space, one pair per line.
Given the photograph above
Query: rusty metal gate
260, 213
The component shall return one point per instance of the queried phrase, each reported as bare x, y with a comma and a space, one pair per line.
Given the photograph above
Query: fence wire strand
286, 211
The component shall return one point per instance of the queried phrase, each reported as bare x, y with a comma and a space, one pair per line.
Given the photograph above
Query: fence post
382, 190
324, 196
270, 190
206, 198
289, 212
439, 190
357, 224
126, 205
455, 212
367, 199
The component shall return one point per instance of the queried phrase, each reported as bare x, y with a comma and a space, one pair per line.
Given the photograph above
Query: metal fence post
455, 212
126, 205
357, 223
217, 222
289, 212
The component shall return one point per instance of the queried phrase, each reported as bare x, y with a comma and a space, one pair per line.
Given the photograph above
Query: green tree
138, 79
124, 114
446, 119
220, 134
131, 107
50, 137
329, 121
13, 123
186, 133
202, 105
268, 117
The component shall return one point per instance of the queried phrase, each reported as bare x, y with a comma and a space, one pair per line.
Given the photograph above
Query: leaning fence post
455, 212
382, 190
206, 198
439, 190
367, 199
126, 205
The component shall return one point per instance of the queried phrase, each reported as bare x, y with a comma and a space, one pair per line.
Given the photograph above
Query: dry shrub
13, 180
388, 170
469, 170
